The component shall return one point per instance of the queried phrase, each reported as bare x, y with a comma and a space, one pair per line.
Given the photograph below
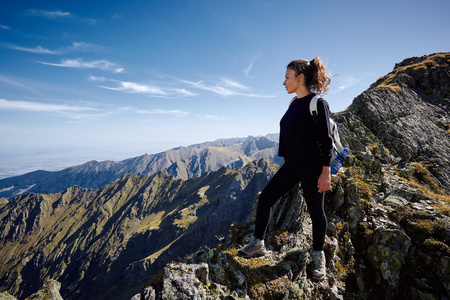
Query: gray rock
50, 291
395, 201
7, 296
387, 253
184, 281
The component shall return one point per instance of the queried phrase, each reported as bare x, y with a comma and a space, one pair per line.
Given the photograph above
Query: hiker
307, 150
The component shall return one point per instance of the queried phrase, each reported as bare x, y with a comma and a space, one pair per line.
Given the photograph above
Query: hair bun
313, 63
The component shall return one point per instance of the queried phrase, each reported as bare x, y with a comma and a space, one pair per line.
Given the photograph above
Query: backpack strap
335, 135
313, 107
333, 126
314, 112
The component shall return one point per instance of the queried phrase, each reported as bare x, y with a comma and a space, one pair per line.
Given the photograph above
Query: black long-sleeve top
302, 142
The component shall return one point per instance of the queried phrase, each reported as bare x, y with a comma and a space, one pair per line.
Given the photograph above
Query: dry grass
444, 207
431, 62
447, 128
365, 188
393, 87
418, 175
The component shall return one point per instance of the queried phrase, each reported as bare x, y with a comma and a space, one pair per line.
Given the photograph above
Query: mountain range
89, 238
161, 236
181, 162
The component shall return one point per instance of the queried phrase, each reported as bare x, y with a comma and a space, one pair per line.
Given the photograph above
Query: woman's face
292, 83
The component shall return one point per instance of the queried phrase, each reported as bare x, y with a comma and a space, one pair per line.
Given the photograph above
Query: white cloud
181, 88
37, 49
90, 21
178, 113
81, 46
133, 87
139, 88
75, 47
184, 92
59, 15
233, 84
212, 88
97, 78
90, 116
155, 111
216, 84
79, 113
224, 87
344, 83
211, 117
220, 90
143, 88
5, 27
81, 64
248, 69
40, 107
259, 96
50, 14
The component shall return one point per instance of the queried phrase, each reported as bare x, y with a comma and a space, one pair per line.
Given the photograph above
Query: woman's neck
302, 92
301, 95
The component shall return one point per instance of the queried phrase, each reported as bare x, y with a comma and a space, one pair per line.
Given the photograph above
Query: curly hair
316, 76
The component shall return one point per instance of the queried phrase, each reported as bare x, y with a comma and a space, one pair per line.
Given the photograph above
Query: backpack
339, 152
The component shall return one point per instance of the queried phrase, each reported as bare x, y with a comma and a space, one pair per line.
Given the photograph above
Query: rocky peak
411, 116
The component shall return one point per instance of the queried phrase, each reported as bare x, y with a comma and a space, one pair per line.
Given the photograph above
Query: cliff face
408, 110
388, 209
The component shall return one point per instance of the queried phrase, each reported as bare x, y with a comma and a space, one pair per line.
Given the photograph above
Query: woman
307, 149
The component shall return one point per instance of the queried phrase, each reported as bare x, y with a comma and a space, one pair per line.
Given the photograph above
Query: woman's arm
324, 181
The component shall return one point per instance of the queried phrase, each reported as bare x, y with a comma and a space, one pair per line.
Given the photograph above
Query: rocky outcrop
7, 296
408, 111
49, 291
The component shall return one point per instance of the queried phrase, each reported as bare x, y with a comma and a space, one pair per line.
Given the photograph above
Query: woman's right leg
315, 203
281, 183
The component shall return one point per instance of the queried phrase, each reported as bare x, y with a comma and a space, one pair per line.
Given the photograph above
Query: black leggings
282, 182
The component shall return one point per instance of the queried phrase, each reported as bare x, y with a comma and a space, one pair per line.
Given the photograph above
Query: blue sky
110, 80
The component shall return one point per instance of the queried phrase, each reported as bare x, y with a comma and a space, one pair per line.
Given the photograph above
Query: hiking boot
254, 248
318, 261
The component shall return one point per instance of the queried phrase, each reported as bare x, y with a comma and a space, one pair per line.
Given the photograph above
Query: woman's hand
324, 181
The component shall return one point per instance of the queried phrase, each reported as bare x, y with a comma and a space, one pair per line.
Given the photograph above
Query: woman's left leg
315, 202
281, 183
